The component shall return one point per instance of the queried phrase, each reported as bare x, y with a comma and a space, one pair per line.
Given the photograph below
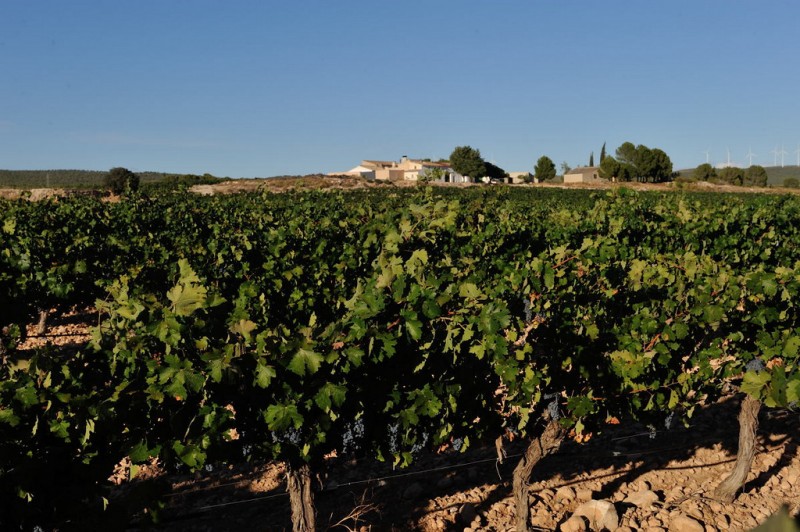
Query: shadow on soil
370, 496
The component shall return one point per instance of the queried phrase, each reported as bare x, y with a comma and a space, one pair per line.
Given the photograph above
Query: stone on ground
601, 514
576, 523
684, 523
642, 499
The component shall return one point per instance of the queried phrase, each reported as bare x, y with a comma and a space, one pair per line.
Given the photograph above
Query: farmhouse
583, 174
407, 170
360, 170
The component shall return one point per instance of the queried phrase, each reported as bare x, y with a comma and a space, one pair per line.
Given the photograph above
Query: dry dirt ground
661, 481
328, 182
321, 182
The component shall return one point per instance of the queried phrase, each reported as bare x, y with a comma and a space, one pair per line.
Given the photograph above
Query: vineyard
382, 325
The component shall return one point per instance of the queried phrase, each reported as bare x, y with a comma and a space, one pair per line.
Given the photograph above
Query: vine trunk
748, 426
301, 499
547, 443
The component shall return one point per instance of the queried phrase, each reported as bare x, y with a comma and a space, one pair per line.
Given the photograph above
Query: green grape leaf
215, 369
305, 361
7, 416
793, 390
330, 395
186, 298
9, 226
354, 355
469, 291
190, 454
754, 382
777, 388
713, 313
188, 294
140, 453
281, 417
791, 347
549, 278
244, 328
673, 400
413, 324
264, 375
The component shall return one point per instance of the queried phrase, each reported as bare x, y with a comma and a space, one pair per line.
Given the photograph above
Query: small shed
583, 174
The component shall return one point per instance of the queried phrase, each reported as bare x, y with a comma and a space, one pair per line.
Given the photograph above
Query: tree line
115, 180
754, 176
630, 163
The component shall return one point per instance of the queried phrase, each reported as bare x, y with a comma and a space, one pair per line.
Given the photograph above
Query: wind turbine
783, 153
775, 152
797, 151
707, 152
728, 165
750, 155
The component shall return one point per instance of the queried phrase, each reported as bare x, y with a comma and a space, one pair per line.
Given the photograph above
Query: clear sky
263, 88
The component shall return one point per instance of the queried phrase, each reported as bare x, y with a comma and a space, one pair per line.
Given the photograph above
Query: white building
406, 170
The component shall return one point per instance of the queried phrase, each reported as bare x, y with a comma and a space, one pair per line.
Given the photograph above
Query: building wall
407, 170
389, 174
519, 177
583, 175
363, 171
408, 164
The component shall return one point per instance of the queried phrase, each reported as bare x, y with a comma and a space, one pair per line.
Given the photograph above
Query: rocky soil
618, 481
326, 182
624, 479
332, 182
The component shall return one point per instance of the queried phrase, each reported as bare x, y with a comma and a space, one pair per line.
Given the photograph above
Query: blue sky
263, 88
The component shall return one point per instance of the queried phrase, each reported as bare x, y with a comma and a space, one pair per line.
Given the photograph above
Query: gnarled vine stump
548, 442
301, 498
748, 426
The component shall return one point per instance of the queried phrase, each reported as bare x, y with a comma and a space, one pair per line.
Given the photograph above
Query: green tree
628, 157
545, 169
431, 174
755, 176
603, 153
610, 168
591, 159
565, 168
661, 166
467, 161
643, 163
627, 172
731, 176
495, 172
626, 153
704, 172
791, 182
121, 180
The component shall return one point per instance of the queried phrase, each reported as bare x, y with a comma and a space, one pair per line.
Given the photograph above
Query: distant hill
88, 179
775, 174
